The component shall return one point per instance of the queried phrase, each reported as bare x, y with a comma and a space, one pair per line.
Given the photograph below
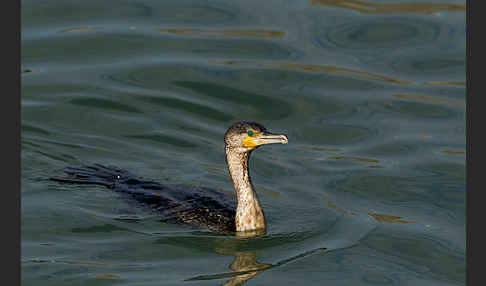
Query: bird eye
250, 133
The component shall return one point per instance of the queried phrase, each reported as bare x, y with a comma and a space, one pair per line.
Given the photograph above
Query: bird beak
269, 138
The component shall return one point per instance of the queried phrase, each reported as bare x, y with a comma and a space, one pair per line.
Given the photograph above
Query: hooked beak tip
285, 140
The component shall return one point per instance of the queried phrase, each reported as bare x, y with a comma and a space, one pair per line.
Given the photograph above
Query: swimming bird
196, 206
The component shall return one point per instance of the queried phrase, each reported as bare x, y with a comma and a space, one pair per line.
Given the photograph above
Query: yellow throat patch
249, 141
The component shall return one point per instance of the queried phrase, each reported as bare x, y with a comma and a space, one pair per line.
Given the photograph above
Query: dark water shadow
198, 110
280, 109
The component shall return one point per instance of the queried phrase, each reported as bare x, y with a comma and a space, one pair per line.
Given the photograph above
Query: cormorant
197, 206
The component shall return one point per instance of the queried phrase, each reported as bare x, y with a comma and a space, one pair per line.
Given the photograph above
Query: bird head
246, 136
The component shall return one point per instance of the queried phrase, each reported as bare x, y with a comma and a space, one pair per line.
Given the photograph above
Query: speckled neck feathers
249, 214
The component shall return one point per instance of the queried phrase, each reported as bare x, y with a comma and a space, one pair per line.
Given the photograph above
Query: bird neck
249, 213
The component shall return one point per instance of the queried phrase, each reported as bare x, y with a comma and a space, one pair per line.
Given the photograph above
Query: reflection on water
391, 8
312, 148
245, 261
378, 217
453, 152
224, 33
38, 260
339, 209
453, 83
354, 159
107, 276
315, 68
79, 30
389, 218
245, 266
422, 98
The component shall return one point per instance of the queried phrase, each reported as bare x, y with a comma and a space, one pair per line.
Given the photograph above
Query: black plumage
176, 203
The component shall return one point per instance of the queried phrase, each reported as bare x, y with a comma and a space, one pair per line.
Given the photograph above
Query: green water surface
370, 189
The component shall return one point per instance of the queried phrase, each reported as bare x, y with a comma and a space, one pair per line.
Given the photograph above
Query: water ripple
391, 8
224, 33
378, 34
313, 69
280, 109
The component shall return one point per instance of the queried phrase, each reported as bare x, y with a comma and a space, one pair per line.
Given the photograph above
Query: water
370, 189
